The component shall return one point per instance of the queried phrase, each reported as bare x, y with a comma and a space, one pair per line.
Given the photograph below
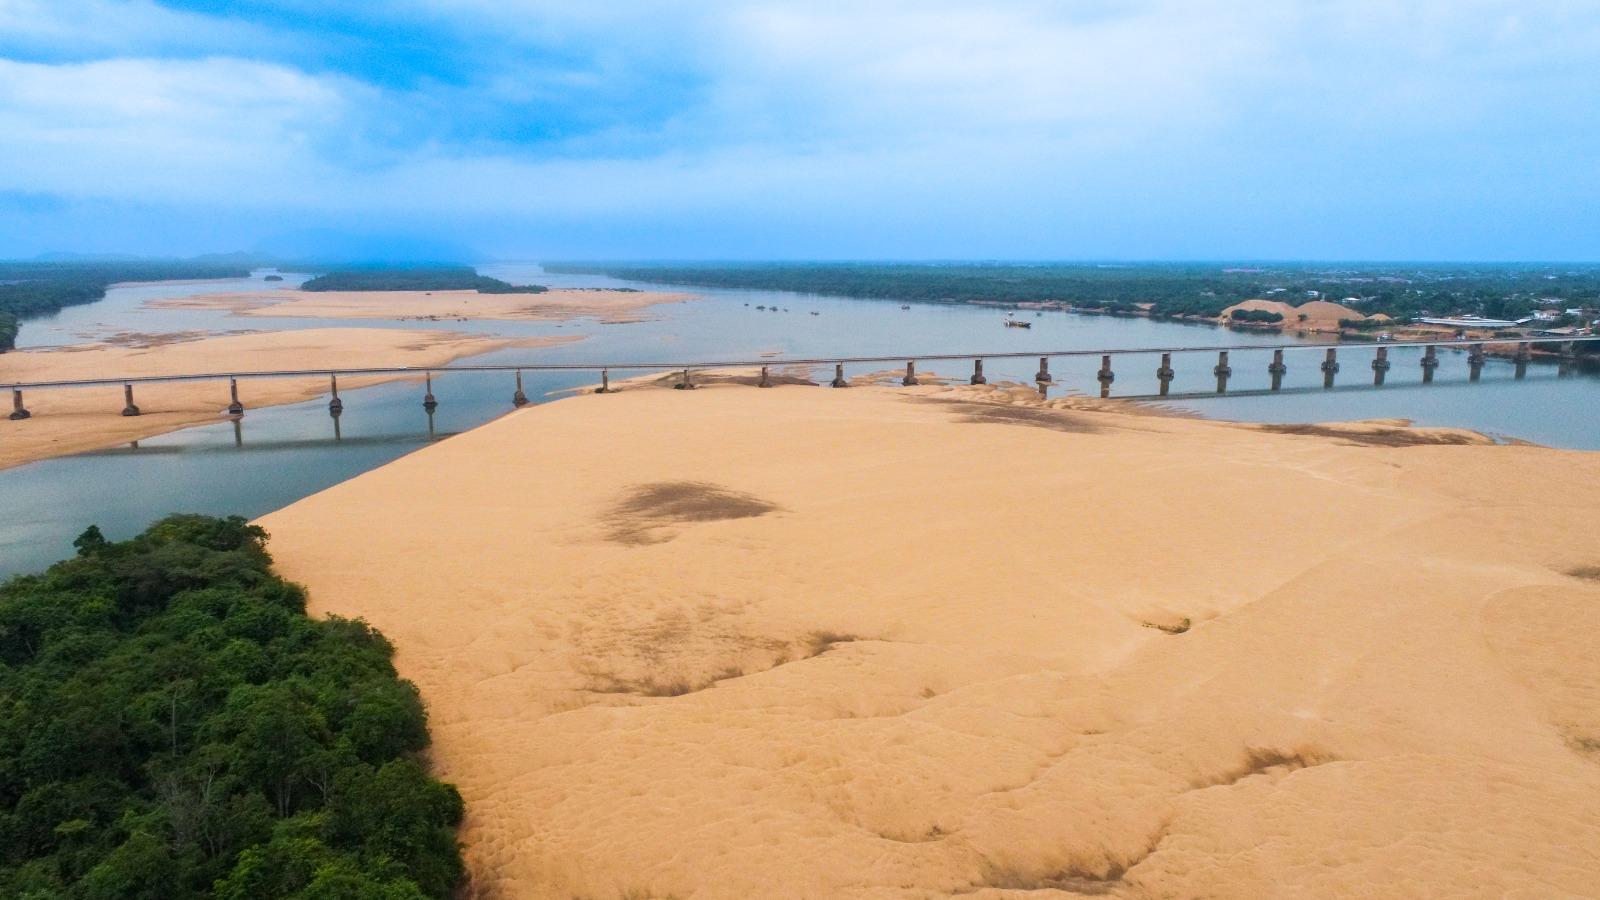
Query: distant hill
442, 279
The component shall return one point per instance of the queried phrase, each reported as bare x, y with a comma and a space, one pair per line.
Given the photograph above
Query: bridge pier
1043, 375
1106, 376
18, 411
911, 374
1524, 353
977, 372
1222, 371
430, 403
838, 376
235, 408
335, 405
684, 384
1380, 366
1475, 358
1277, 370
766, 378
518, 398
1330, 367
1165, 374
1568, 359
1430, 361
128, 406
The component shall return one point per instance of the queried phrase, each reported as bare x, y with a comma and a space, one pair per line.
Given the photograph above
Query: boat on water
1018, 323
905, 306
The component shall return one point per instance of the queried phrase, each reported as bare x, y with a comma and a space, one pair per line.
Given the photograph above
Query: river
274, 456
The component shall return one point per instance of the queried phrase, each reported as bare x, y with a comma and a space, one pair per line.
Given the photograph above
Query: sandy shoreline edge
75, 420
609, 307
732, 642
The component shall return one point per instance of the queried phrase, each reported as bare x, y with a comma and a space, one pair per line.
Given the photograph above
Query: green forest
175, 726
1170, 289
461, 278
29, 289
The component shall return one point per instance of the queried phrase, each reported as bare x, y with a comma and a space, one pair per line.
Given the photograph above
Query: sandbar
934, 642
609, 306
73, 420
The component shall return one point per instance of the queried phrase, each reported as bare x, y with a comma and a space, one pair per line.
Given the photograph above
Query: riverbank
801, 642
610, 307
73, 420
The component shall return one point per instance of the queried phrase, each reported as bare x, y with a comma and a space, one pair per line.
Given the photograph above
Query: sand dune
610, 307
1321, 315
72, 420
815, 643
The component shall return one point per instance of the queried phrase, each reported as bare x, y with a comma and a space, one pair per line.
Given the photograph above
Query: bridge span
1329, 365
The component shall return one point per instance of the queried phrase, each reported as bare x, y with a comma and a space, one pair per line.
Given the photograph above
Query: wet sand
72, 420
610, 307
877, 642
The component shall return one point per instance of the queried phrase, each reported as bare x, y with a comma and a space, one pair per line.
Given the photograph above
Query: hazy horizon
1112, 130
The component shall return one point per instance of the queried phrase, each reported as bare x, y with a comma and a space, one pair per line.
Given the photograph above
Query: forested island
457, 278
175, 726
29, 289
1163, 290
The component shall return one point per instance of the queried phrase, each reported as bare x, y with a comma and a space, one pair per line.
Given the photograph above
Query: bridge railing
1106, 375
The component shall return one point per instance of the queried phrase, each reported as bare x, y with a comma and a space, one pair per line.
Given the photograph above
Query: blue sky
906, 129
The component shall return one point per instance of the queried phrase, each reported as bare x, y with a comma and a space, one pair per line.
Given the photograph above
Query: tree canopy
173, 725
29, 289
456, 278
1159, 289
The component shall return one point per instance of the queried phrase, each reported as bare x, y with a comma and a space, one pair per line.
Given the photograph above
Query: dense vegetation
29, 289
1166, 290
174, 726
1256, 315
460, 278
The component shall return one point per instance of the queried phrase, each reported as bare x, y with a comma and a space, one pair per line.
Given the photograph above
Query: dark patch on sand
1179, 627
1033, 416
1264, 762
1587, 573
1090, 880
653, 653
647, 512
1382, 437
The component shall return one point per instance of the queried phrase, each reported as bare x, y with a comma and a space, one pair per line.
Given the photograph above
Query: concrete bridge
1327, 361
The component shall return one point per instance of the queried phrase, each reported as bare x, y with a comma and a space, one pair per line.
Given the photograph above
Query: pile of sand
804, 642
1320, 315
72, 420
610, 307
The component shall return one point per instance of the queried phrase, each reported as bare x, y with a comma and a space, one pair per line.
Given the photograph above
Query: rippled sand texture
805, 642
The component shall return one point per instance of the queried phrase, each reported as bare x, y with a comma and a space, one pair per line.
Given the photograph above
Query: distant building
1475, 322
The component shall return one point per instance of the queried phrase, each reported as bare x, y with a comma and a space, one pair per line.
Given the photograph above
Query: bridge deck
625, 366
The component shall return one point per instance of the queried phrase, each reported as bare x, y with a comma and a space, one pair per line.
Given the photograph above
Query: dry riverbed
937, 642
72, 420
610, 307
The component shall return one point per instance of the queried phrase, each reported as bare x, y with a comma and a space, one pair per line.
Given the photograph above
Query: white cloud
201, 129
1008, 109
78, 27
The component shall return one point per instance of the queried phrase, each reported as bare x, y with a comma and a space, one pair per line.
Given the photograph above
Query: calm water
277, 455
